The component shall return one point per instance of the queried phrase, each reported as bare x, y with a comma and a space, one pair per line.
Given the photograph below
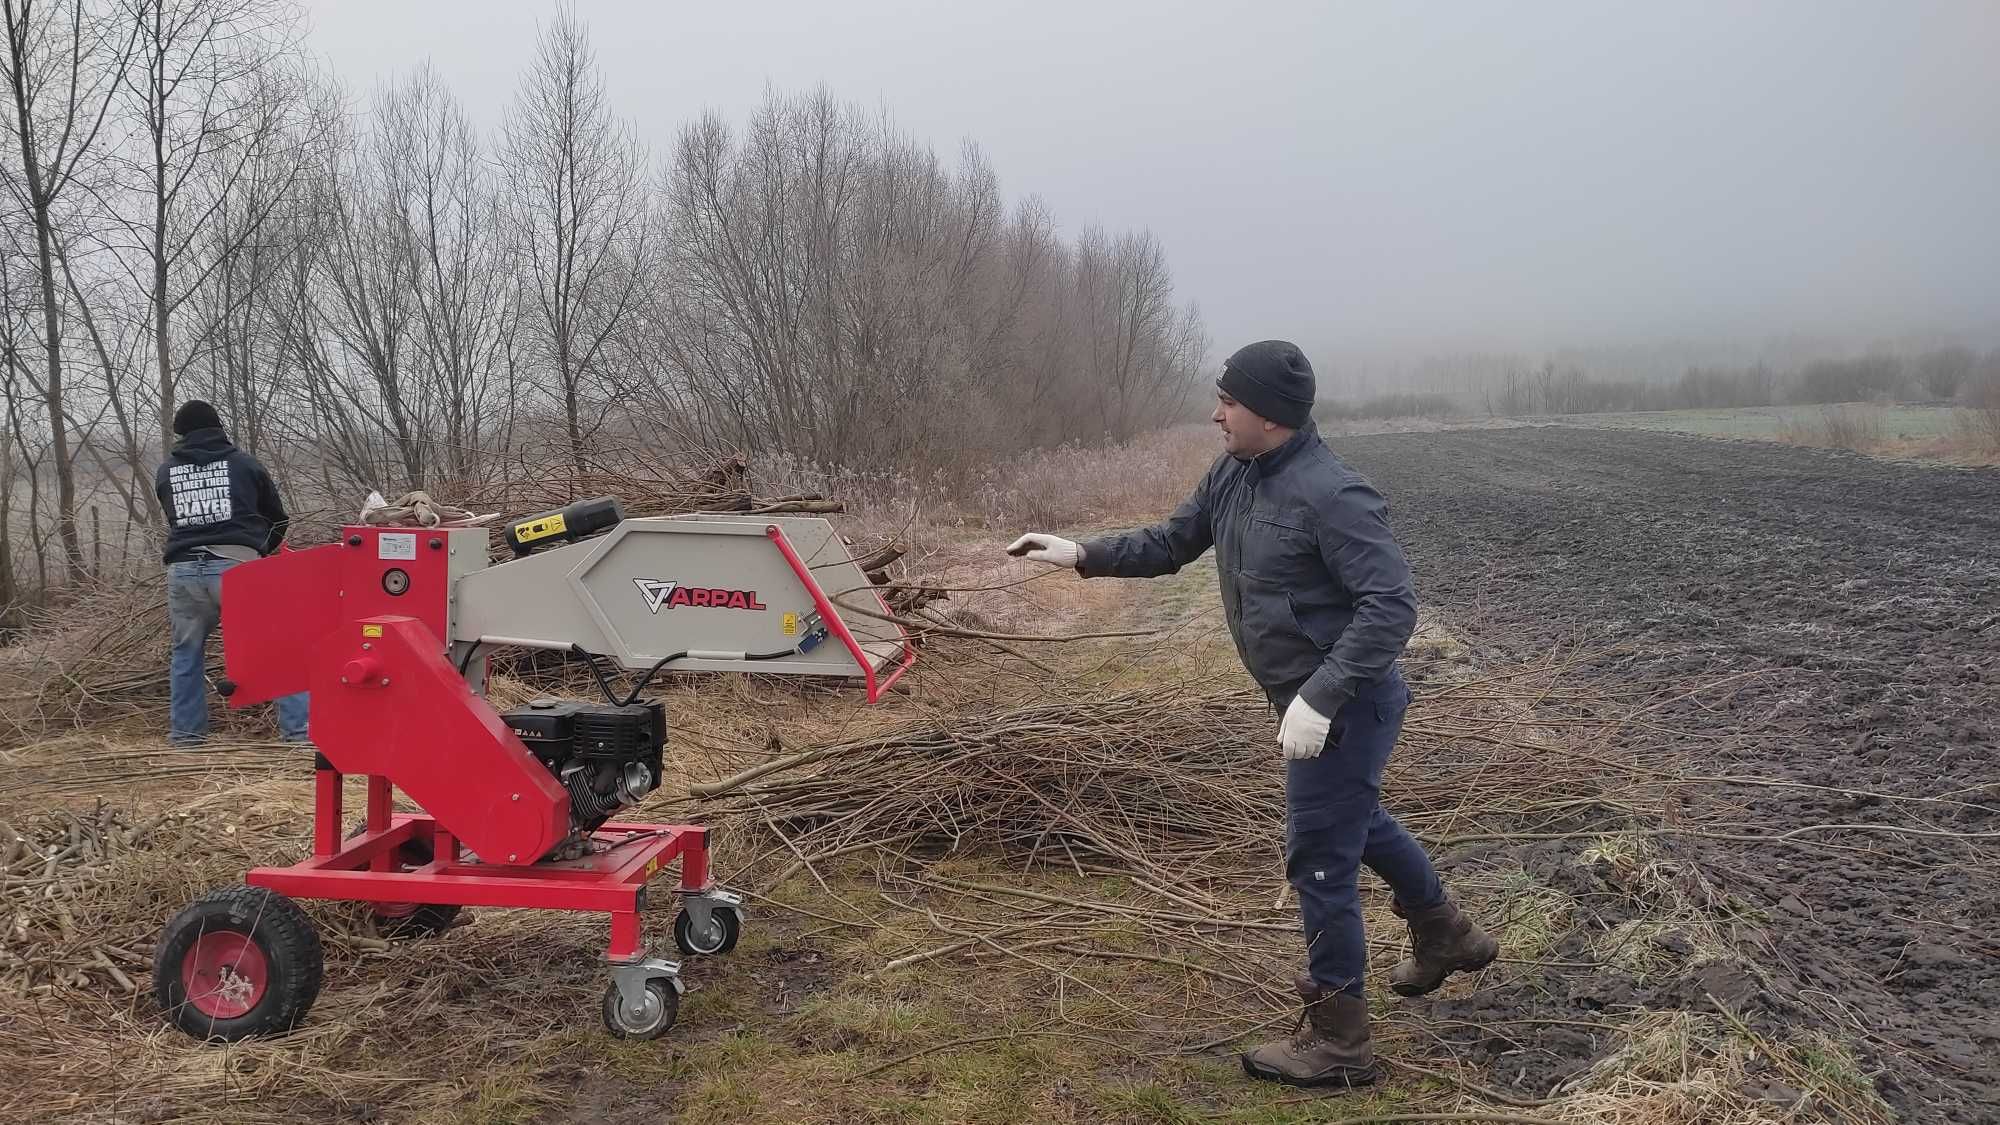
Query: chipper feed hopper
390, 630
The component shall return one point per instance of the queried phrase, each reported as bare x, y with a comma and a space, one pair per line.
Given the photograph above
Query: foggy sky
1384, 178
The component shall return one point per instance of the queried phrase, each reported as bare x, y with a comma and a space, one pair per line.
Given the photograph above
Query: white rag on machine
417, 509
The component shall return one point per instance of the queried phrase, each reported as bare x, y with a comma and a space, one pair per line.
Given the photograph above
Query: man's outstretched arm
1145, 552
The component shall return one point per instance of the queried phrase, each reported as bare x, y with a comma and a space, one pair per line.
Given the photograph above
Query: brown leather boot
1443, 941
1329, 1048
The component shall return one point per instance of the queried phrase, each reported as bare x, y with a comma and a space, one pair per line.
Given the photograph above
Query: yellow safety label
542, 528
791, 624
652, 866
371, 630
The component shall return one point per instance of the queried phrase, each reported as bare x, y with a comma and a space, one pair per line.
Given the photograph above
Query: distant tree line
1940, 375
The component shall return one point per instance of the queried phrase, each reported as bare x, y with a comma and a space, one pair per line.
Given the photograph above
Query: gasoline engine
605, 756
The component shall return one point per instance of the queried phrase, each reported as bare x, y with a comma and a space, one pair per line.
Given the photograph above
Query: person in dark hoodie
222, 508
1319, 601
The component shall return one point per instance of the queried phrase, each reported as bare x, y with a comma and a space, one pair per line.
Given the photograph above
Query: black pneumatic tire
709, 944
237, 962
666, 1001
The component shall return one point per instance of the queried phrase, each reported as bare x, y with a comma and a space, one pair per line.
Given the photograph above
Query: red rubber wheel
225, 975
237, 962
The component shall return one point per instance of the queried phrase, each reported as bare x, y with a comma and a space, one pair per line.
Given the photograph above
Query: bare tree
758, 237
113, 342
209, 91
837, 293
416, 295
1025, 265
1136, 341
61, 67
372, 298
582, 224
12, 331
369, 271
1545, 378
903, 288
1945, 370
450, 215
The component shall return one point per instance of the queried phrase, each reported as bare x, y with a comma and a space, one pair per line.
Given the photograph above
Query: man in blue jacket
1319, 602
222, 508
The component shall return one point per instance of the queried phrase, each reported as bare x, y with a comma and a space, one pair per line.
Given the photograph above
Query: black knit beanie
195, 414
1272, 378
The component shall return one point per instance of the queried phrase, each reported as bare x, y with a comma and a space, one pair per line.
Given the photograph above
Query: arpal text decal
662, 594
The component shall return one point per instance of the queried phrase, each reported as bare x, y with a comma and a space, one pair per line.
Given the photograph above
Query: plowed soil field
1834, 622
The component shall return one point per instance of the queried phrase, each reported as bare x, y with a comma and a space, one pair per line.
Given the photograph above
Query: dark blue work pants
1335, 823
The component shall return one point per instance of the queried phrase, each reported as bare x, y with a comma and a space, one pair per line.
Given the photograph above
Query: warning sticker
527, 531
371, 630
791, 621
396, 545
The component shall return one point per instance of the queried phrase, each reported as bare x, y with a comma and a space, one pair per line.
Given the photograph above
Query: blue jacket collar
1271, 461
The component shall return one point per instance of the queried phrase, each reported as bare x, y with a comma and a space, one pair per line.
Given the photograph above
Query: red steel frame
832, 618
364, 868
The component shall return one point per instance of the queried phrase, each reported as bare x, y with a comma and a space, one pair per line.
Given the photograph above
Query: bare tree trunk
18, 31
9, 591
30, 460
55, 65
210, 92
134, 485
52, 387
162, 351
583, 229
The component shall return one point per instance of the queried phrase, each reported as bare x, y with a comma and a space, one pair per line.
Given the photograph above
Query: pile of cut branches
46, 868
646, 484
1183, 787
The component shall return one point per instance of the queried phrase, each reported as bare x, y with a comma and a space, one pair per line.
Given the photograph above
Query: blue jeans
1335, 823
194, 610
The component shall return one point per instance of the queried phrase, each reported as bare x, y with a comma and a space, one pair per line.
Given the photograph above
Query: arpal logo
662, 594
655, 591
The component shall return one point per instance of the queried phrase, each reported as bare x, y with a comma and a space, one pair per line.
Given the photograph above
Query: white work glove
1303, 730
1049, 549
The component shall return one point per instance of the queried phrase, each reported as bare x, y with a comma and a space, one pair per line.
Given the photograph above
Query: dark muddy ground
1858, 602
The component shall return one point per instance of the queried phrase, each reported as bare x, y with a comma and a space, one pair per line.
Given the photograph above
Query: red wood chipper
390, 630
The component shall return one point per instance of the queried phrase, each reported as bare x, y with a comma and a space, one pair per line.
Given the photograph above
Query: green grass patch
1534, 916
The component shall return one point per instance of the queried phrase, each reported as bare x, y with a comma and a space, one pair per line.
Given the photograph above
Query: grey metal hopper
722, 593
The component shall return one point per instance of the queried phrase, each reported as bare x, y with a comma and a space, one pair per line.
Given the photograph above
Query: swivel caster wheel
641, 1008
708, 928
237, 962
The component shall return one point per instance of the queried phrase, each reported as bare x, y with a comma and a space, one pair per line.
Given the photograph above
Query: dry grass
1119, 952
1835, 427
1073, 488
1977, 430
1681, 1066
871, 985
98, 658
1971, 436
1683, 919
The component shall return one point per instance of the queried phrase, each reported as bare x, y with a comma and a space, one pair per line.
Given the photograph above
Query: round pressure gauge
396, 582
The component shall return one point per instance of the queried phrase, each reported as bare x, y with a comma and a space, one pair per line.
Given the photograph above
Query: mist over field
1658, 345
